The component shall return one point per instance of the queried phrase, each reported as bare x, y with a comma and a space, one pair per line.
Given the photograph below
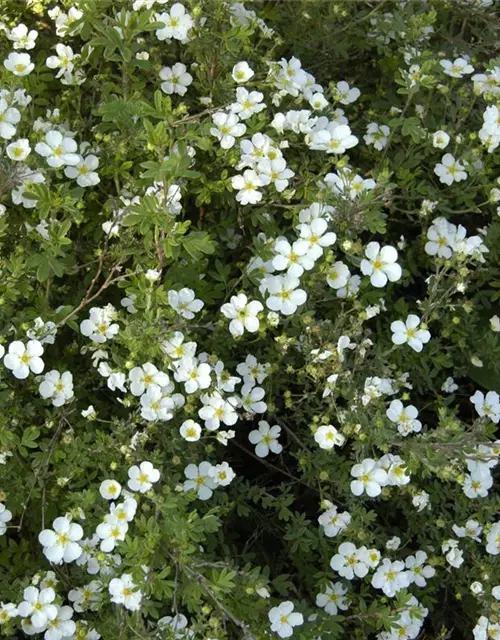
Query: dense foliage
249, 319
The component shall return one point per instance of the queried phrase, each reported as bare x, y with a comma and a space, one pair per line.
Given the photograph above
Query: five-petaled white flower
199, 478
283, 619
60, 544
124, 591
38, 606
242, 72
284, 294
176, 79
58, 150
243, 314
450, 170
408, 332
327, 436
142, 477
227, 128
21, 359
369, 478
57, 386
184, 302
380, 264
19, 64
265, 439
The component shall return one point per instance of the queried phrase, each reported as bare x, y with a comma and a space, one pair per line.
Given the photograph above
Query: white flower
111, 531
177, 348
252, 371
216, 410
195, 375
228, 128
421, 500
190, 430
495, 323
495, 592
456, 69
152, 275
265, 439
123, 591
345, 94
350, 561
315, 237
450, 170
60, 544
5, 516
285, 296
110, 489
454, 556
493, 540
247, 185
199, 478
57, 386
391, 577
177, 24
476, 588
407, 332
488, 406
377, 135
419, 572
440, 140
251, 399
332, 521
61, 627
338, 275
142, 477
21, 37
283, 619
243, 314
99, 326
247, 103
142, 378
84, 171
369, 478
275, 171
327, 436
18, 150
8, 611
62, 61
404, 417
9, 117
477, 484
242, 72
128, 304
58, 150
156, 405
380, 264
176, 79
89, 413
221, 474
184, 302
318, 101
22, 359
19, 64
37, 605
333, 598
335, 138
440, 237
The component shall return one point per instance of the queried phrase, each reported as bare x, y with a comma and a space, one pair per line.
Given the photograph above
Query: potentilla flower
243, 314
248, 187
111, 531
18, 150
228, 128
407, 332
194, 374
486, 406
190, 430
315, 237
62, 61
252, 371
418, 571
265, 439
38, 606
283, 619
8, 610
449, 385
5, 516
146, 376
350, 561
87, 597
177, 624
176, 79
19, 64
454, 556
493, 539
391, 577
199, 478
60, 544
22, 359
404, 417
99, 327
142, 477
177, 24
216, 410
421, 500
333, 598
395, 467
9, 117
345, 94
377, 135
450, 170
84, 172
380, 264
225, 381
58, 150
294, 258
247, 103
332, 521
124, 591
318, 101
477, 483
285, 296
251, 399
335, 138
440, 139
440, 237
221, 474
241, 72
21, 37
338, 275
369, 478
57, 386
110, 489
176, 347
456, 68
275, 172
327, 436
62, 626
184, 302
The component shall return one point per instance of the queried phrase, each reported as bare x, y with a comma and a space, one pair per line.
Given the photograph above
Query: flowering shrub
249, 319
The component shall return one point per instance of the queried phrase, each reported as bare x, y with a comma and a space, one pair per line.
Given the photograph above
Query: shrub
249, 319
